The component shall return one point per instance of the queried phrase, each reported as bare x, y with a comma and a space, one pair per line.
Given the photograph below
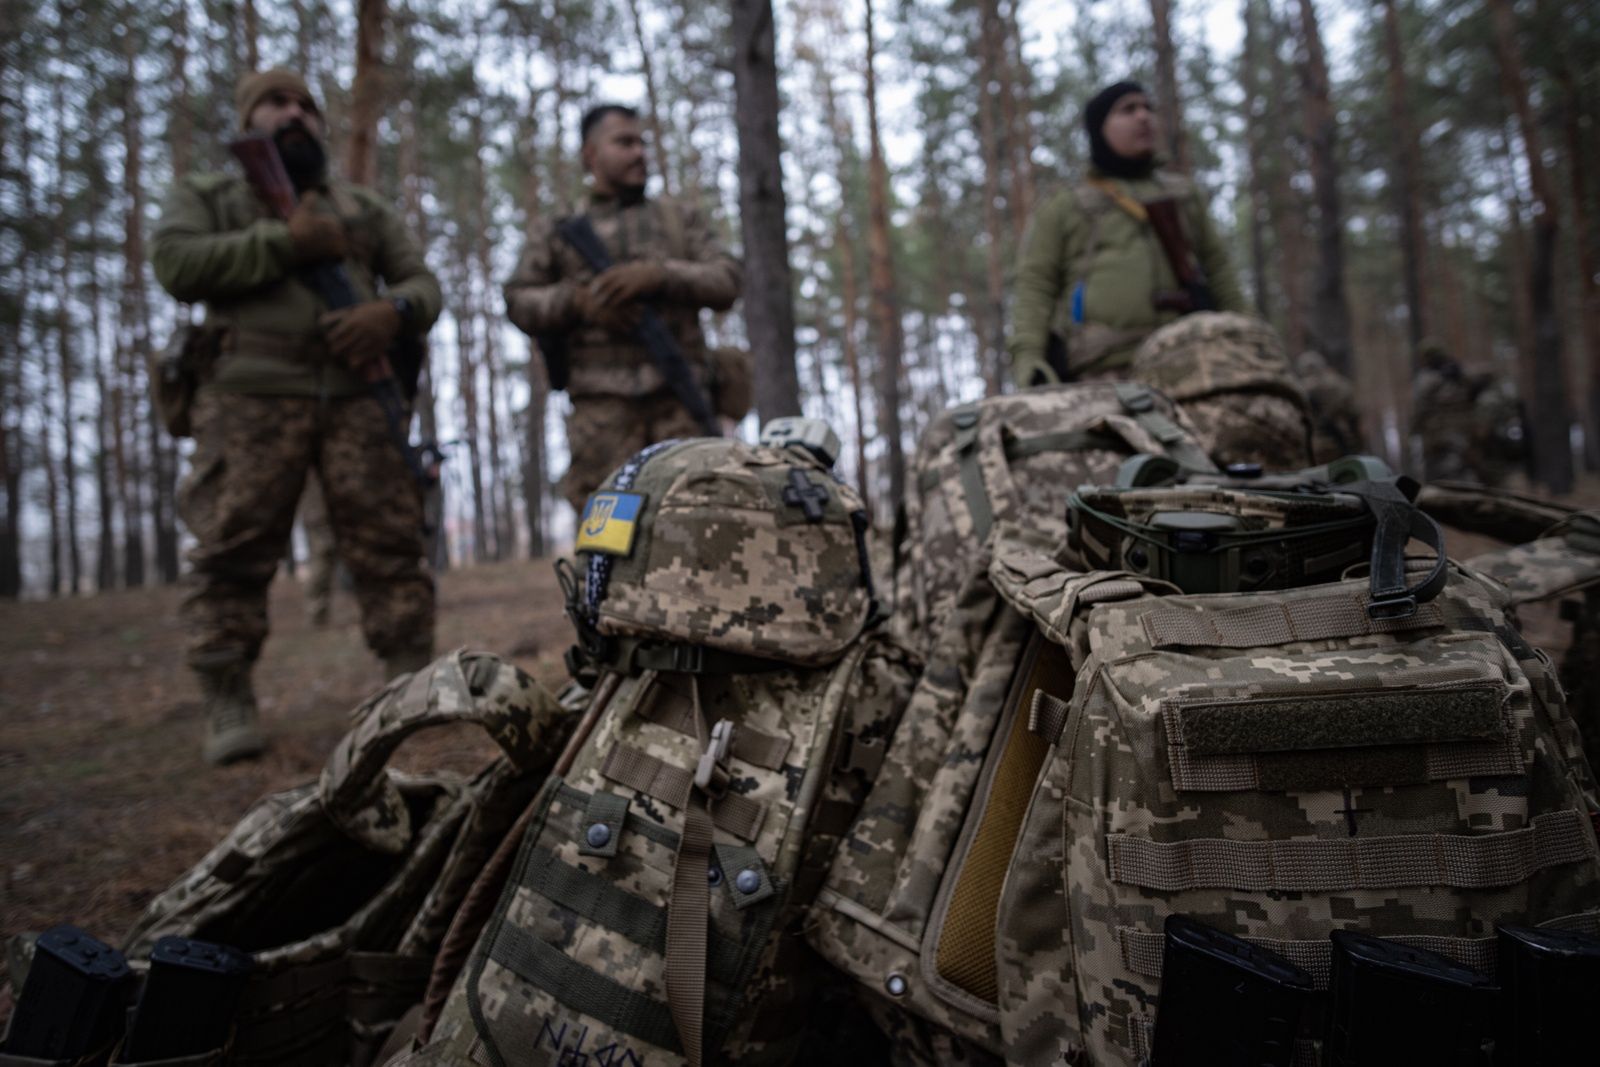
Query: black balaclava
302, 153
1094, 117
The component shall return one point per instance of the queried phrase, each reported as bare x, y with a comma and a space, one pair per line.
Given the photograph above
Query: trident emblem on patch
600, 510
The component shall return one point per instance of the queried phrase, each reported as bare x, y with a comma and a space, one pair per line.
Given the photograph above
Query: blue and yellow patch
609, 523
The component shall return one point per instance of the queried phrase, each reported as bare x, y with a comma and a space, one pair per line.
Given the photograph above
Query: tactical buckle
1389, 608
690, 659
710, 772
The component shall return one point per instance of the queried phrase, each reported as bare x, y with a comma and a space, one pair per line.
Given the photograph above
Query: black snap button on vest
1138, 557
896, 985
714, 876
747, 881
599, 834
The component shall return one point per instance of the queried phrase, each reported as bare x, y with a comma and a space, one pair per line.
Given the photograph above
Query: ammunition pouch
176, 371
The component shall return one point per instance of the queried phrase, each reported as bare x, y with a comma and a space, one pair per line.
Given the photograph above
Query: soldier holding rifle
311, 291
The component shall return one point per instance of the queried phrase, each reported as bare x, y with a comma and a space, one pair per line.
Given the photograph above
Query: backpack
343, 888
1091, 750
742, 693
1016, 458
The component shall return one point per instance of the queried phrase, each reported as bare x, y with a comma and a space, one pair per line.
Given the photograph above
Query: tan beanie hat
253, 88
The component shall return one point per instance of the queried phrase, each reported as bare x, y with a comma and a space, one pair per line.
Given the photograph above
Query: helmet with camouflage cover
1229, 375
711, 547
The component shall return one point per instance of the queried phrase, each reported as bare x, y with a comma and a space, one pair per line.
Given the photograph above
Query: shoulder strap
1131, 207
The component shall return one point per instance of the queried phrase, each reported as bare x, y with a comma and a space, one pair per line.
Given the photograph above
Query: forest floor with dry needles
104, 799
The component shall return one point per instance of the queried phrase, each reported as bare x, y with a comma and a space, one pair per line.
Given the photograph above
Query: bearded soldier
1108, 261
666, 258
282, 395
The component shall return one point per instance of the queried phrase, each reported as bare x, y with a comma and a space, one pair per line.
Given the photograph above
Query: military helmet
710, 554
1229, 376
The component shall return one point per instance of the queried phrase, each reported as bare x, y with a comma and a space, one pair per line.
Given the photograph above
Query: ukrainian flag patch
609, 523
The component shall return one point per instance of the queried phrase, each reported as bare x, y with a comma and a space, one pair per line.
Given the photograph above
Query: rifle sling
652, 333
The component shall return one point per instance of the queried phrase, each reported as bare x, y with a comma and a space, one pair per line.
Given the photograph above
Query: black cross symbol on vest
1350, 811
803, 494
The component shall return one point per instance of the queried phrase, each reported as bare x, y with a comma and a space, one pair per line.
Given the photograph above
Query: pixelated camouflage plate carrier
343, 888
734, 548
653, 913
1016, 458
1089, 752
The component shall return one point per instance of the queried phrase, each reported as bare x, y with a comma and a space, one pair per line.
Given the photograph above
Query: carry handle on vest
474, 687
578, 232
263, 169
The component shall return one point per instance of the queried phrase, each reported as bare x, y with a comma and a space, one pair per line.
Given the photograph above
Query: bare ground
104, 799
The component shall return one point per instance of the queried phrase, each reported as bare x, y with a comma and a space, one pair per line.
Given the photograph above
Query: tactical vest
343, 889
742, 698
1090, 751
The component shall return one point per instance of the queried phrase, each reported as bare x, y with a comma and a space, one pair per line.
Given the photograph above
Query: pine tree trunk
1584, 240
1330, 310
648, 69
366, 94
12, 276
1170, 101
1254, 134
1284, 207
885, 298
1407, 179
467, 386
989, 87
535, 471
1551, 419
252, 37
66, 376
1019, 97
843, 245
768, 286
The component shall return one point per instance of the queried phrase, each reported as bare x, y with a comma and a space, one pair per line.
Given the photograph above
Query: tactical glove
361, 334
628, 282
315, 235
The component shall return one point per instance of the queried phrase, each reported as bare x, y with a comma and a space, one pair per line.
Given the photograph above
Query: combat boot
233, 730
406, 660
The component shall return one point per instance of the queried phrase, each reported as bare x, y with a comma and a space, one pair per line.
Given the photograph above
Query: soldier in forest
1443, 414
1335, 420
1104, 263
666, 257
283, 395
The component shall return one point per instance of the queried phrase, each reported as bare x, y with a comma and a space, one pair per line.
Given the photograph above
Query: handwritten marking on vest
553, 1035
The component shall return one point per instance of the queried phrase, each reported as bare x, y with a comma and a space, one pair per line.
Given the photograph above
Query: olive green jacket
700, 273
219, 245
1081, 236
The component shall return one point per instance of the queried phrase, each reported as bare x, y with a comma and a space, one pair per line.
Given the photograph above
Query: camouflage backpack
1015, 458
741, 697
1229, 375
1091, 750
343, 888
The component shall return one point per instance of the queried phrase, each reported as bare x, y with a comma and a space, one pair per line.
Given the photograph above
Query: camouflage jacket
1081, 237
700, 273
218, 244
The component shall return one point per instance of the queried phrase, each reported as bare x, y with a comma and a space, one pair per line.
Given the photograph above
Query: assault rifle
1196, 293
264, 170
578, 232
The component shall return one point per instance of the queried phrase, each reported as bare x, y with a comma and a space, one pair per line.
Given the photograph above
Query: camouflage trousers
321, 547
604, 431
252, 456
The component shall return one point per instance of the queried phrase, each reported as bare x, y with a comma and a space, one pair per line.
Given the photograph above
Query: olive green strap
1140, 404
688, 912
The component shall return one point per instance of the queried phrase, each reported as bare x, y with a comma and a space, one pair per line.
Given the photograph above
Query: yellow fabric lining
966, 952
